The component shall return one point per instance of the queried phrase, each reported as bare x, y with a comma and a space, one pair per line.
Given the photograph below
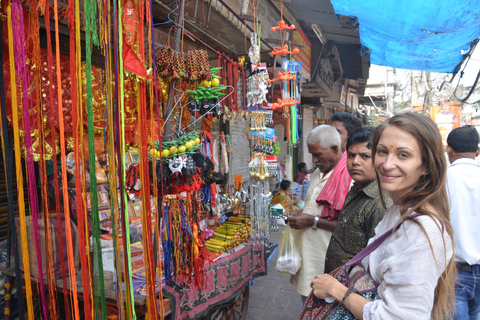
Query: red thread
56, 183
78, 142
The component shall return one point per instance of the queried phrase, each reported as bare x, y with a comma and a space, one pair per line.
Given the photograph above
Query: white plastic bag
289, 258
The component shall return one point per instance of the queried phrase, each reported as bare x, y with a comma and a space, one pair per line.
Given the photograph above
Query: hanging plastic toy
177, 164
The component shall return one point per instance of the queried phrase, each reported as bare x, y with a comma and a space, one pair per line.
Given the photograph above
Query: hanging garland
18, 167
22, 77
99, 286
185, 145
12, 229
184, 252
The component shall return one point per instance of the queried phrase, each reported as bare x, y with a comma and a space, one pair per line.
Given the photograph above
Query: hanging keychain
229, 144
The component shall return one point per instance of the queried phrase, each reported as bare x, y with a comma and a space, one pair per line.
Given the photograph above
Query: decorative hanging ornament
177, 164
257, 88
254, 51
257, 167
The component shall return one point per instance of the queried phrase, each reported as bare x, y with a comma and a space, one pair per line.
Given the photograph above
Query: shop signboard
447, 117
474, 122
319, 122
304, 54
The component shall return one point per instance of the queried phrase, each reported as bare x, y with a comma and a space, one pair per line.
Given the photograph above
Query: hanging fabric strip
293, 121
112, 177
41, 113
66, 208
11, 227
126, 235
152, 93
235, 86
83, 161
244, 90
111, 156
119, 107
259, 34
18, 167
73, 9
99, 284
146, 209
150, 268
168, 246
297, 121
158, 209
56, 184
33, 53
82, 156
116, 172
22, 79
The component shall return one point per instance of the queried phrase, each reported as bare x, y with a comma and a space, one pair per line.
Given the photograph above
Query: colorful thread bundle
49, 121
184, 252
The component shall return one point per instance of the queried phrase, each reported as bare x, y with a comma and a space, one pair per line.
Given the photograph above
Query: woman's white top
405, 268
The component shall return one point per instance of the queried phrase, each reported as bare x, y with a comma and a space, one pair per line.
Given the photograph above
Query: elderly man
324, 144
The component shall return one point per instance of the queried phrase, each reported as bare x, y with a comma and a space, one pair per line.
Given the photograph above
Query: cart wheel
241, 305
235, 309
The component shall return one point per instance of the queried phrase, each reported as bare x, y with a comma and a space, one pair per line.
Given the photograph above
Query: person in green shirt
362, 210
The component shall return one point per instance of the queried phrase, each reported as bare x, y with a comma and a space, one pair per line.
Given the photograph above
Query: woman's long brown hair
430, 191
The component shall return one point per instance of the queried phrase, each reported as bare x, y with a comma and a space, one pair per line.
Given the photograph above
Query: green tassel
99, 284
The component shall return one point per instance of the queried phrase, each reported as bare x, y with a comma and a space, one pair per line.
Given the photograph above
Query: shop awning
427, 35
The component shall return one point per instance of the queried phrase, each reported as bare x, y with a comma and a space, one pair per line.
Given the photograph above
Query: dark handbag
352, 275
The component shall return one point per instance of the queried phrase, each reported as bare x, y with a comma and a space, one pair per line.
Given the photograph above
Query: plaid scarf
335, 190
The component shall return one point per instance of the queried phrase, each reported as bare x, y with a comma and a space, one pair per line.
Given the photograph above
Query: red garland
181, 183
244, 89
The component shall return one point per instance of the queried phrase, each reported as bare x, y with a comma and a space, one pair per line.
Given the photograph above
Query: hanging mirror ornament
269, 118
257, 88
257, 121
266, 217
260, 214
254, 51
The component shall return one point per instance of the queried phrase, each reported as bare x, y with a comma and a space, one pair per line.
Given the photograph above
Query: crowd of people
391, 182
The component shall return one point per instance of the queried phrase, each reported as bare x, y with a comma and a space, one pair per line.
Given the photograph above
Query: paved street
272, 297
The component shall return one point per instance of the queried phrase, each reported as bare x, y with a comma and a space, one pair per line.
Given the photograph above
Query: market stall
126, 203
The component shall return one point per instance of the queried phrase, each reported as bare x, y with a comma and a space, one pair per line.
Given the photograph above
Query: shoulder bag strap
375, 243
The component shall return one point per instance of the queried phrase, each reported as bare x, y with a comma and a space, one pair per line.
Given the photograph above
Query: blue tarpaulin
422, 35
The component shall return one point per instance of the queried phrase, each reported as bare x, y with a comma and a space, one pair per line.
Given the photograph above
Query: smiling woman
398, 161
414, 266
